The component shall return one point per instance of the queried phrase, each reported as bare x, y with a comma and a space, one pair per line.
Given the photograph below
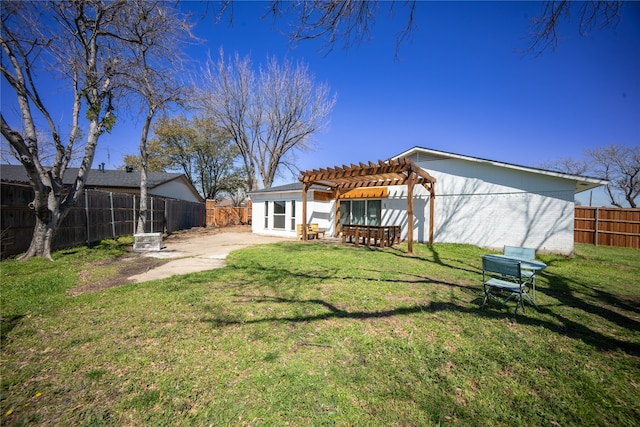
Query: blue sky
462, 84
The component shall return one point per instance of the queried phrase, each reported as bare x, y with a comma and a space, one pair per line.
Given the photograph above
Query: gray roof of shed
96, 178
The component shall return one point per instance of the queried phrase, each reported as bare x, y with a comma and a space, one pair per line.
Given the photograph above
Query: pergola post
410, 182
305, 188
432, 200
337, 227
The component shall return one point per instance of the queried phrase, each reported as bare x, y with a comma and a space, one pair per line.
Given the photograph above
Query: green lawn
321, 334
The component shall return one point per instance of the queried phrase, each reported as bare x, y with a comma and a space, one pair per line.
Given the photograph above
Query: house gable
429, 158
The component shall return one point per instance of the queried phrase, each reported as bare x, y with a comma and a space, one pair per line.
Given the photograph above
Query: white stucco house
477, 201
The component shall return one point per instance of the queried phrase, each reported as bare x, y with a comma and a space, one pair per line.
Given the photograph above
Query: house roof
101, 178
583, 183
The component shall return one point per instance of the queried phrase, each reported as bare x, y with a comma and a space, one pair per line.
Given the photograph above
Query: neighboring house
172, 185
477, 201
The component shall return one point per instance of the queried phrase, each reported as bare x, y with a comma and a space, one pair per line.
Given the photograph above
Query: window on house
361, 212
293, 215
345, 213
279, 209
374, 212
358, 212
266, 215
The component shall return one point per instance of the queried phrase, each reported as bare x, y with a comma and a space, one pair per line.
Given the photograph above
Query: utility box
147, 242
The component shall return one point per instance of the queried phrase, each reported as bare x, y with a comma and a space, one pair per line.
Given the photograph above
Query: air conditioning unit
147, 242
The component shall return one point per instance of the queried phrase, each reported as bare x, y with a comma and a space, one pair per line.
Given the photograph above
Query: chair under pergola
381, 174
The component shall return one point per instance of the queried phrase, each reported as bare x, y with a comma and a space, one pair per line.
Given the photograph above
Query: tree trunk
144, 160
142, 215
42, 239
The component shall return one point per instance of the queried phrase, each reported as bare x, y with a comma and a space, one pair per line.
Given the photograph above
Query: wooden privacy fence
223, 216
97, 215
607, 226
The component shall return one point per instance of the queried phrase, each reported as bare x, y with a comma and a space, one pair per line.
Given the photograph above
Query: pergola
381, 174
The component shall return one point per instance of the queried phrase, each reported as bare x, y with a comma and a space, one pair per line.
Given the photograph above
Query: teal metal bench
503, 275
524, 254
520, 252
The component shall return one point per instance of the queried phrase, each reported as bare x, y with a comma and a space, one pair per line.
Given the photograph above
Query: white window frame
366, 211
279, 218
293, 215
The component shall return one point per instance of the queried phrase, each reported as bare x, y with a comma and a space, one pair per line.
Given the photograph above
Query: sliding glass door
360, 212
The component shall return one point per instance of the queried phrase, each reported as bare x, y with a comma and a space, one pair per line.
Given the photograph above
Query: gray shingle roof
97, 178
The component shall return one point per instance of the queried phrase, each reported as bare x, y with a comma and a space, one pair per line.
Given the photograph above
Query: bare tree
154, 33
269, 114
75, 39
620, 165
92, 45
350, 21
567, 165
591, 14
346, 20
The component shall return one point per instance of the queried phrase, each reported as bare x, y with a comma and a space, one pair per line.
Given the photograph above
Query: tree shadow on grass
575, 330
470, 267
567, 296
568, 299
7, 324
271, 276
559, 288
566, 327
333, 312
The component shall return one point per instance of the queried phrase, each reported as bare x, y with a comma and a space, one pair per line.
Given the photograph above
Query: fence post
596, 225
113, 216
134, 214
86, 212
151, 214
166, 216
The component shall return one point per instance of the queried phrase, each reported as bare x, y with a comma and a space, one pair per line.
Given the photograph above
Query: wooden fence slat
607, 226
223, 216
97, 216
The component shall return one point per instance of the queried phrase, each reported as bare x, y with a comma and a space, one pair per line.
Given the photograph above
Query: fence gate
223, 216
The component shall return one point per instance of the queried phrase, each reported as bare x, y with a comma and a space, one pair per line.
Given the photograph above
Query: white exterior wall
476, 203
321, 213
175, 190
394, 210
488, 206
